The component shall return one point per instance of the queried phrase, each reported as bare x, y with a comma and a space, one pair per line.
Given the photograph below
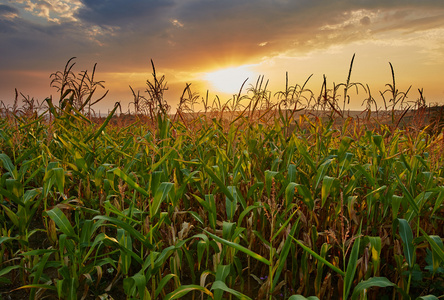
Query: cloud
8, 12
7, 16
232, 31
120, 12
188, 35
56, 11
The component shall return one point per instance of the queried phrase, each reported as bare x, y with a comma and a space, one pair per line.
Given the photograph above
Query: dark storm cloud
6, 10
7, 16
120, 12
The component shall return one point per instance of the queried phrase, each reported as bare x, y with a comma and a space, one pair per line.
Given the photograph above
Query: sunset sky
216, 45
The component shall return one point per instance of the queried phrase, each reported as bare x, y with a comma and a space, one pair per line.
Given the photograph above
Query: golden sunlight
230, 80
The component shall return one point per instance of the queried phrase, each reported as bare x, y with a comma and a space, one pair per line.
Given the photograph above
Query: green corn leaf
396, 203
201, 247
112, 242
231, 206
320, 267
302, 149
220, 285
8, 165
322, 170
376, 191
125, 242
327, 184
318, 257
306, 194
375, 248
439, 200
367, 175
345, 165
282, 261
289, 193
212, 210
379, 142
130, 182
72, 288
239, 247
300, 297
420, 200
263, 240
283, 226
109, 208
343, 147
6, 270
351, 266
38, 252
436, 245
128, 228
167, 154
30, 195
197, 217
292, 170
4, 239
38, 286
202, 202
160, 196
156, 179
185, 289
218, 182
62, 222
227, 230
38, 273
437, 252
407, 238
11, 196
408, 195
252, 190
12, 216
140, 282
162, 284
428, 297
94, 135
222, 272
371, 282
164, 255
59, 178
15, 187
245, 212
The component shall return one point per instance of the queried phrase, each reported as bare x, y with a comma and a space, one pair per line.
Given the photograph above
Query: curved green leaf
127, 227
185, 289
318, 257
407, 238
220, 285
162, 283
378, 282
300, 297
239, 247
62, 222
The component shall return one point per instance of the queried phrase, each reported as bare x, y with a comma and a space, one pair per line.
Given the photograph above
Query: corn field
252, 199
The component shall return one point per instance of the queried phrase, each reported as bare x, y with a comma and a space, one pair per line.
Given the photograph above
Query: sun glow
230, 80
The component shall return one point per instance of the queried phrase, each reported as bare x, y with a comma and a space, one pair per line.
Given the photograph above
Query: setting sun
230, 80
